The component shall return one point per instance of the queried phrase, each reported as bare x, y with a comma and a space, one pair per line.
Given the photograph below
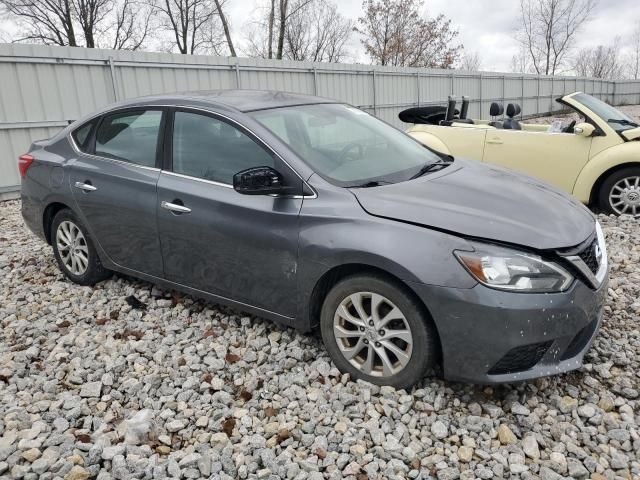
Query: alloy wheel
72, 247
373, 334
624, 196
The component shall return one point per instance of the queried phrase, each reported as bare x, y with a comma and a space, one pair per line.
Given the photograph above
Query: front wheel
620, 192
375, 331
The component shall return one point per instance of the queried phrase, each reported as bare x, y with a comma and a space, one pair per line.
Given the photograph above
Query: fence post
551, 96
522, 96
504, 91
315, 81
114, 83
452, 84
375, 103
237, 67
480, 95
418, 86
538, 97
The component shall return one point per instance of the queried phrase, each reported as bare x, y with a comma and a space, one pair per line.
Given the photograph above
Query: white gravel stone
228, 396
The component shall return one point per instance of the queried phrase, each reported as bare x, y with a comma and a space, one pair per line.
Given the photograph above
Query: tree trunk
272, 15
283, 22
225, 26
69, 25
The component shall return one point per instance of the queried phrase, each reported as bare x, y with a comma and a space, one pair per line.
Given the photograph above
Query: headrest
513, 109
496, 109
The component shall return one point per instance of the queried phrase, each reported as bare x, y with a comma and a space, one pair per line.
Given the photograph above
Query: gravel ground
90, 386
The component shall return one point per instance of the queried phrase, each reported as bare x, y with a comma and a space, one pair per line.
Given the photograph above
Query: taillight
24, 162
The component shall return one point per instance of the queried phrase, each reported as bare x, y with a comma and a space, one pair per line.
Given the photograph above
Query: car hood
484, 201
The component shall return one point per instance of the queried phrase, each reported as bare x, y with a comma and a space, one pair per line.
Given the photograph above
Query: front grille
580, 340
521, 358
588, 256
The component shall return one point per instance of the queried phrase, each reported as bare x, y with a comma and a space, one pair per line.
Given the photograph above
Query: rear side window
82, 135
209, 148
130, 136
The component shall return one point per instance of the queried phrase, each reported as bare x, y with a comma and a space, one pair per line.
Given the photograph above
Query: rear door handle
174, 207
85, 187
495, 141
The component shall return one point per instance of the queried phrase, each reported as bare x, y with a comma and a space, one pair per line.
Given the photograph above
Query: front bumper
491, 336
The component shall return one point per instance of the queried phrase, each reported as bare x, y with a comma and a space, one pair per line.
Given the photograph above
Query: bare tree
634, 57
89, 14
268, 36
131, 26
599, 62
521, 62
470, 61
192, 25
394, 33
317, 33
47, 21
225, 26
549, 28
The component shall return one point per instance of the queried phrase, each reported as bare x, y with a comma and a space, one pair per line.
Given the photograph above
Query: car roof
241, 100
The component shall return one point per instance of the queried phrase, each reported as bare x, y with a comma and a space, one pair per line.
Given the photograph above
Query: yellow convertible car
596, 157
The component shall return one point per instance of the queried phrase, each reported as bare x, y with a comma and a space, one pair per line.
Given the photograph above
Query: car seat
495, 111
510, 123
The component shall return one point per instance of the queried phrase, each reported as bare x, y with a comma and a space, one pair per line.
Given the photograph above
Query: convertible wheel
74, 250
376, 332
620, 192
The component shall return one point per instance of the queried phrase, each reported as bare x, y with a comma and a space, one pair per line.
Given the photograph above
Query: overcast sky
485, 26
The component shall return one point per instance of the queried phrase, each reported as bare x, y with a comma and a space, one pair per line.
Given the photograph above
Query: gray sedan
313, 213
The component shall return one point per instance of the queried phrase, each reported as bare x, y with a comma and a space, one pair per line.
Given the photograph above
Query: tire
340, 334
85, 268
624, 185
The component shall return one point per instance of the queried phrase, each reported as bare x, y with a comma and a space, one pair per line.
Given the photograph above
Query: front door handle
85, 187
174, 207
495, 141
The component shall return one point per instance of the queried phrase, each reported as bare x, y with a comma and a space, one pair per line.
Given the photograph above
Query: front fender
430, 140
628, 152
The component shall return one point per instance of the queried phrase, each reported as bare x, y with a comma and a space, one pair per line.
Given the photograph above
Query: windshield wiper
623, 121
371, 183
429, 167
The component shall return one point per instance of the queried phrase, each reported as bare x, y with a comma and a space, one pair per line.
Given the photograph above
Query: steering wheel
569, 128
348, 149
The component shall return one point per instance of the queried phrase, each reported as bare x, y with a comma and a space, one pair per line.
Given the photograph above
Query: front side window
212, 149
346, 145
130, 136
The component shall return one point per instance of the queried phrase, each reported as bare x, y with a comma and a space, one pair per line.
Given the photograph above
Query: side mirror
584, 129
259, 181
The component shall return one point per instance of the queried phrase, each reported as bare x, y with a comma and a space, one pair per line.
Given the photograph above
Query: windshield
346, 145
615, 118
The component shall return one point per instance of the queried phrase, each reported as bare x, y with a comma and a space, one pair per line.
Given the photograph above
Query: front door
113, 179
242, 247
556, 158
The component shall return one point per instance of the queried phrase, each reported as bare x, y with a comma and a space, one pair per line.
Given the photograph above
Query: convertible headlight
508, 269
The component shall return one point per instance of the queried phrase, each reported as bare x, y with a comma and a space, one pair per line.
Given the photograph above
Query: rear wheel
620, 192
375, 331
74, 250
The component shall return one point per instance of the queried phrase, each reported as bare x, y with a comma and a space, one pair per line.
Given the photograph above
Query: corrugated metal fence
42, 88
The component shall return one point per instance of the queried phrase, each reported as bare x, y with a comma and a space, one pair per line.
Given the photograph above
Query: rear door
242, 247
556, 158
114, 179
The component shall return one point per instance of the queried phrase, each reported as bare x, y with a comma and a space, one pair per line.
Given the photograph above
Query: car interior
500, 118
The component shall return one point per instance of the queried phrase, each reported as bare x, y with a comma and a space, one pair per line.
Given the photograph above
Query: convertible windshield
348, 146
614, 117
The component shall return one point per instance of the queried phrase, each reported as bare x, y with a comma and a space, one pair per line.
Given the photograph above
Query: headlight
508, 269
